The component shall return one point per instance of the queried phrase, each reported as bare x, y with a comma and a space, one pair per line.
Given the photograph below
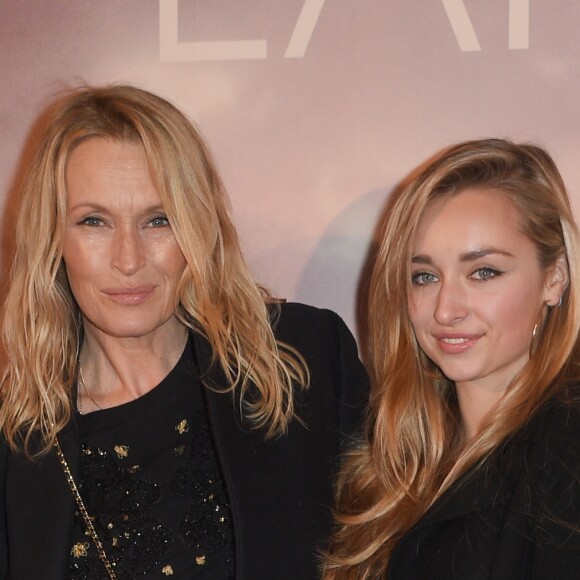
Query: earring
535, 329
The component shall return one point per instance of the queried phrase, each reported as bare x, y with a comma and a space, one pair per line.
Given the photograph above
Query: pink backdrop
315, 109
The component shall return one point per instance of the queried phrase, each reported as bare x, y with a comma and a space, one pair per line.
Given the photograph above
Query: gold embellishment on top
167, 570
79, 550
200, 560
121, 450
182, 427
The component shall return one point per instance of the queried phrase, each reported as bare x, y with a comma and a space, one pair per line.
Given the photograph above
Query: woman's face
477, 288
122, 259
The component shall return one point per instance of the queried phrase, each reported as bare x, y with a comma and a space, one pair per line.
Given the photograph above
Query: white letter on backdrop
304, 28
519, 29
461, 24
171, 50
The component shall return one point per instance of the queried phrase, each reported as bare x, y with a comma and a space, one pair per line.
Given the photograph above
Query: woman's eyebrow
477, 254
465, 257
421, 259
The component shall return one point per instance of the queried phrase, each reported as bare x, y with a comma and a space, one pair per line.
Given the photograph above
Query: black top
515, 517
280, 489
149, 477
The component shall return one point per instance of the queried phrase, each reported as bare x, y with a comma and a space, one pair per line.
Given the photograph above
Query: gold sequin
182, 427
179, 450
121, 450
115, 541
200, 560
79, 550
167, 570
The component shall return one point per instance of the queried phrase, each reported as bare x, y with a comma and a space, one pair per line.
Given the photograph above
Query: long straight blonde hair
217, 295
412, 451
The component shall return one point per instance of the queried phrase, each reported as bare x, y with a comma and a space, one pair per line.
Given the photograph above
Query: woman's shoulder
331, 353
545, 451
319, 334
552, 461
299, 311
294, 319
561, 419
555, 485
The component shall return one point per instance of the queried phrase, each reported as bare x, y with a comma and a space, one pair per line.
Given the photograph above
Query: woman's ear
557, 278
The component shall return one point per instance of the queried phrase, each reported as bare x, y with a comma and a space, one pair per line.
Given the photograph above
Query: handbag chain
86, 517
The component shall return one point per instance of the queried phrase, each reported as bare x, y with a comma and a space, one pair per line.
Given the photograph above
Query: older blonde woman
470, 468
162, 415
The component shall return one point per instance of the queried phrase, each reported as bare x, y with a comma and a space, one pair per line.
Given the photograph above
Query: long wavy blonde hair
412, 451
217, 295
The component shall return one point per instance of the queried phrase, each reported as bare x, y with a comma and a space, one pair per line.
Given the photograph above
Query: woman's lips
130, 296
456, 343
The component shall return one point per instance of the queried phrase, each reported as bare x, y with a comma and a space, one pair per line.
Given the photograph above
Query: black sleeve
557, 528
339, 380
281, 488
353, 381
3, 533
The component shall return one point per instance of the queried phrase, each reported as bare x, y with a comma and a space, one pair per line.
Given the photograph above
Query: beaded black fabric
206, 524
150, 479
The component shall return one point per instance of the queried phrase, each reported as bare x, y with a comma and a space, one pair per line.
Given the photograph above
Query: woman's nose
128, 254
452, 304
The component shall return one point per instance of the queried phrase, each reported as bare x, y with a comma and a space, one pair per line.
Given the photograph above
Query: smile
456, 344
130, 296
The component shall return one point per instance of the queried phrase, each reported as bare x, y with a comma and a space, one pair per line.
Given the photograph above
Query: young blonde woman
161, 414
471, 464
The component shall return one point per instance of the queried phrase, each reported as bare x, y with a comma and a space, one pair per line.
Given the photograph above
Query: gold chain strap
87, 519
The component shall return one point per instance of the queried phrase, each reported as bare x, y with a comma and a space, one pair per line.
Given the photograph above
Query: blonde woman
470, 466
161, 414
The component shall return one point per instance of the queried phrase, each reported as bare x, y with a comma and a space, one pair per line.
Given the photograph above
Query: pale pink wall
310, 146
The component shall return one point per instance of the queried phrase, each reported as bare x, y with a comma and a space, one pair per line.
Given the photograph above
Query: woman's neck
118, 370
475, 402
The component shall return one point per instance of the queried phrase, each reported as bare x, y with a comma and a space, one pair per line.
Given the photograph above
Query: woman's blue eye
159, 222
92, 221
485, 273
423, 278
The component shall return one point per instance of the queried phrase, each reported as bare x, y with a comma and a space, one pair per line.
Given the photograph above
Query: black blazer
280, 489
517, 517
